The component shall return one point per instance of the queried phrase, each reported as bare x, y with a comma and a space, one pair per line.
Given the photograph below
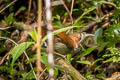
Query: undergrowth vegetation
86, 40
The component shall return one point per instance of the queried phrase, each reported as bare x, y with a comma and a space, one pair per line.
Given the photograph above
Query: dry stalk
39, 36
50, 39
72, 4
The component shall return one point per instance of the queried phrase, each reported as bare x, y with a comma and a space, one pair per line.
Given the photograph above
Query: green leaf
116, 14
88, 51
88, 75
18, 50
98, 35
57, 24
101, 76
23, 8
84, 62
58, 17
55, 72
44, 59
33, 34
29, 61
28, 76
89, 63
10, 18
69, 56
93, 18
102, 46
97, 68
108, 60
99, 59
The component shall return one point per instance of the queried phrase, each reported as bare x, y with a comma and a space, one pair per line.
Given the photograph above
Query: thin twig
29, 7
63, 56
72, 6
24, 53
3, 58
4, 28
42, 72
8, 5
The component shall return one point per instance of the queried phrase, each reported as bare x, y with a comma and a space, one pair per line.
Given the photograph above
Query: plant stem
39, 36
50, 39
